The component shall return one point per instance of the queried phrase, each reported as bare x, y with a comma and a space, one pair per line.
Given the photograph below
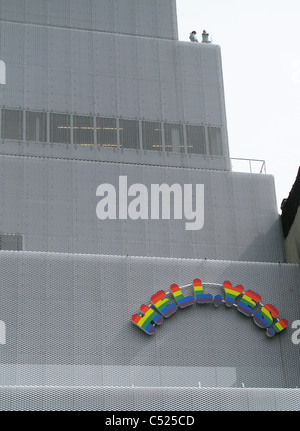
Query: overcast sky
260, 46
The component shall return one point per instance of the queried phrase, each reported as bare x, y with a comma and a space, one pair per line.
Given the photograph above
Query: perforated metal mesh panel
150, 399
152, 18
66, 70
68, 322
88, 86
69, 336
54, 207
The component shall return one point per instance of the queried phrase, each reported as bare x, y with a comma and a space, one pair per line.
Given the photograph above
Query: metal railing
253, 166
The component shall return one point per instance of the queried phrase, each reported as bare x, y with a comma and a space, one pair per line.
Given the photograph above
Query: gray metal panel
105, 154
53, 203
58, 83
124, 17
127, 85
166, 18
104, 75
146, 13
62, 70
81, 17
114, 16
213, 100
65, 316
13, 10
82, 80
12, 52
192, 84
147, 399
149, 79
68, 323
58, 13
171, 94
35, 11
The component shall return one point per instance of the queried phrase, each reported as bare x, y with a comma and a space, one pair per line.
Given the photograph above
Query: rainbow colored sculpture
247, 303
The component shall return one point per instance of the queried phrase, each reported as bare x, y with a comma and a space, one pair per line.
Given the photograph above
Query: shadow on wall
289, 206
259, 249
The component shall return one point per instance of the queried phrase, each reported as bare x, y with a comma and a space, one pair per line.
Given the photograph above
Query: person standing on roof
205, 37
193, 37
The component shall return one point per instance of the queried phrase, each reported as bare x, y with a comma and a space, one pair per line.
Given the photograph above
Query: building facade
116, 185
290, 218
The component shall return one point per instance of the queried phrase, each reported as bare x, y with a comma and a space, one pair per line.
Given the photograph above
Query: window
106, 132
11, 242
215, 141
110, 132
83, 130
60, 128
152, 138
12, 124
129, 134
196, 139
36, 126
174, 137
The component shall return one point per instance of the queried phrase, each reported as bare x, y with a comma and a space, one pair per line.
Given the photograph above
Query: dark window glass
195, 139
106, 132
60, 128
36, 126
11, 242
152, 138
129, 134
174, 137
83, 130
12, 124
215, 141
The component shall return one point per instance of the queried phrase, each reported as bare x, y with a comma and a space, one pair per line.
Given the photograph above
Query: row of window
109, 132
